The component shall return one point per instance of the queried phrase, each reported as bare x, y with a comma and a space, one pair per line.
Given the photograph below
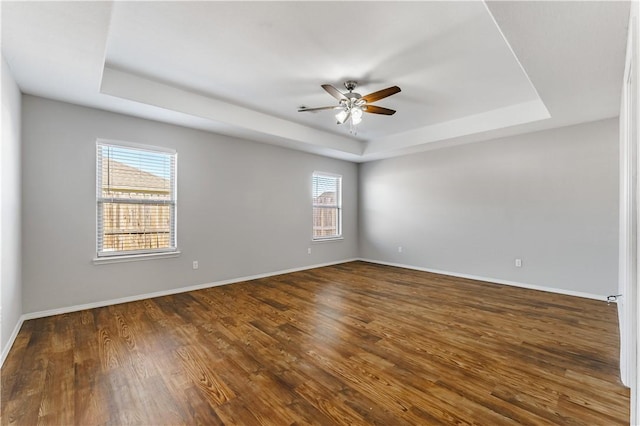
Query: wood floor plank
349, 344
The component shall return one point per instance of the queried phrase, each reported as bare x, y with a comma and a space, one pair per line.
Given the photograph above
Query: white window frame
338, 206
132, 255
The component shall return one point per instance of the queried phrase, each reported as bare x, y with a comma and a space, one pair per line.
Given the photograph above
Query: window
327, 206
136, 199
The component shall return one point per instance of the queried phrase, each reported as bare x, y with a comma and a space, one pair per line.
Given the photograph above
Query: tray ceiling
468, 70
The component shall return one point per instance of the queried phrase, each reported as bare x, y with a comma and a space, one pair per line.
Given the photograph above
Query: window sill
324, 240
134, 257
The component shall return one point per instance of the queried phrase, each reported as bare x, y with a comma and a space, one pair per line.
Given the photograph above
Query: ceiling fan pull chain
353, 128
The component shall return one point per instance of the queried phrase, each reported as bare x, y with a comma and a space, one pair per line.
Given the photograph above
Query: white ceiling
469, 71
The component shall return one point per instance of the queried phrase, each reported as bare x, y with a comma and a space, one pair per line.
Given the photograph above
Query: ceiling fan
351, 105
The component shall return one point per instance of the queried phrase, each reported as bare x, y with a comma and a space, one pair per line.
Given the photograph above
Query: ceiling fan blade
319, 108
334, 92
378, 110
380, 94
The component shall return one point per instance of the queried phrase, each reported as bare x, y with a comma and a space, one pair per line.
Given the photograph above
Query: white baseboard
12, 338
75, 308
100, 304
493, 280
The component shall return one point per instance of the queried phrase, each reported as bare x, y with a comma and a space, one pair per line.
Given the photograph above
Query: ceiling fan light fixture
341, 116
355, 119
356, 115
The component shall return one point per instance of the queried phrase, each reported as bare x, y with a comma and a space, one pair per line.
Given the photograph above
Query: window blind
136, 199
327, 206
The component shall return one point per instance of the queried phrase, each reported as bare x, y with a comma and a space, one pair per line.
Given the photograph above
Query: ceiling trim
500, 118
263, 127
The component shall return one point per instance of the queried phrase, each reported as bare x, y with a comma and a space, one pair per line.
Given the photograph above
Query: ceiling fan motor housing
350, 85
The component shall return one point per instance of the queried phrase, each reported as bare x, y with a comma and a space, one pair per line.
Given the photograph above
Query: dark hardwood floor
355, 343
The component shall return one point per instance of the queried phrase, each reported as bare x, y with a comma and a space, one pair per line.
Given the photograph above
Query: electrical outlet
195, 264
399, 249
518, 263
309, 250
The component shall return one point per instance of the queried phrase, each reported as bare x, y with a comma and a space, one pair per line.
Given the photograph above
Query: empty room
318, 212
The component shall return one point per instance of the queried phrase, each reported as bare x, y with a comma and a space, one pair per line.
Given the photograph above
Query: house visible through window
136, 199
327, 206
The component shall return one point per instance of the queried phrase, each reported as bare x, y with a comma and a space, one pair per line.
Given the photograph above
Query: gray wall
10, 263
549, 198
244, 208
